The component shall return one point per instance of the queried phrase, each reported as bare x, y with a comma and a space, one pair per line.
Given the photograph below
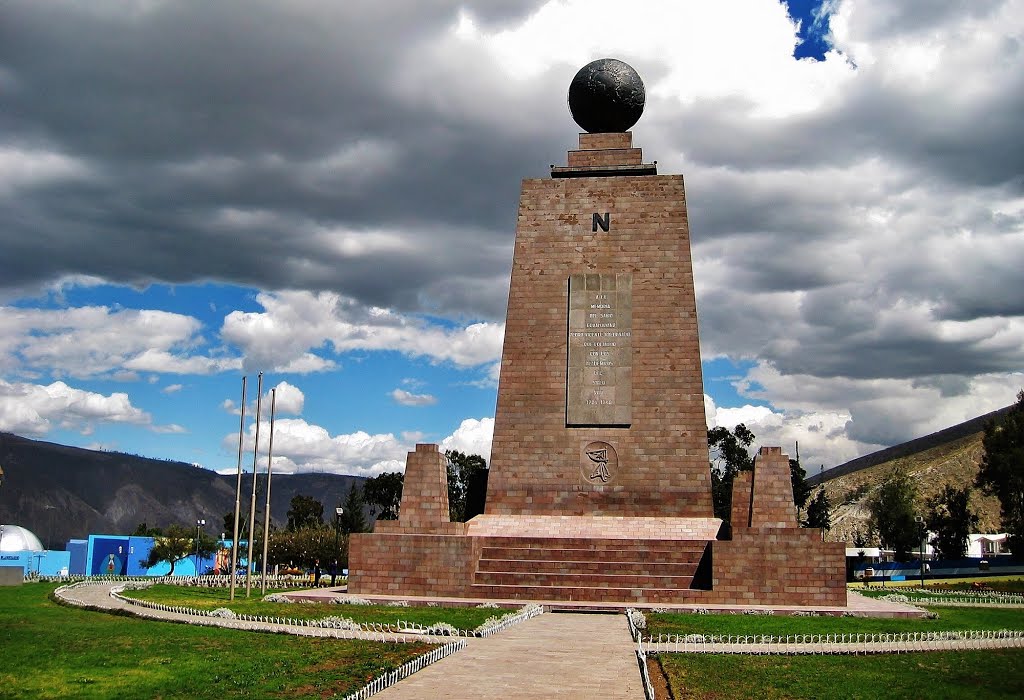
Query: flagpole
238, 495
252, 504
266, 514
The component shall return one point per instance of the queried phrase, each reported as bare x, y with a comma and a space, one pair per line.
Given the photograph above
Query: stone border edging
251, 623
424, 633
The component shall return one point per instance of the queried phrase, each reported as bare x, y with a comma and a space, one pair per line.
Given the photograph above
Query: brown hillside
955, 462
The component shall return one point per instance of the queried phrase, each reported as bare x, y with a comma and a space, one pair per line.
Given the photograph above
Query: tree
729, 456
950, 517
305, 547
893, 513
801, 490
303, 512
462, 469
383, 493
353, 519
144, 530
1002, 470
175, 544
819, 512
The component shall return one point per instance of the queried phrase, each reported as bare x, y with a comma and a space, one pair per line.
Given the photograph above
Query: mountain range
61, 492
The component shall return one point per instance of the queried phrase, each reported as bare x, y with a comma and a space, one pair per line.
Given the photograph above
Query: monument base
601, 559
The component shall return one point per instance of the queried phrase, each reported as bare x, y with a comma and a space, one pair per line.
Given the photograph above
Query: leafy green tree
175, 544
893, 512
305, 547
950, 517
801, 490
383, 493
144, 530
819, 511
729, 456
462, 470
303, 512
353, 519
1002, 470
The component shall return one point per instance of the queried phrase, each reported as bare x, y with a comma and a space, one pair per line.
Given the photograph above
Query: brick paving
551, 656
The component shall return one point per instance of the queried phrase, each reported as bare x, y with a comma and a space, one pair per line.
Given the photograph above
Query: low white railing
645, 675
286, 581
929, 596
405, 670
860, 643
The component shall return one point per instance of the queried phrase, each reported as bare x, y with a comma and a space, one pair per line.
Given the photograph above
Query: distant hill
952, 456
62, 492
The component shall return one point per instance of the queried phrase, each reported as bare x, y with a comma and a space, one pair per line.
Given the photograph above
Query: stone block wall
424, 495
783, 566
771, 502
536, 464
411, 564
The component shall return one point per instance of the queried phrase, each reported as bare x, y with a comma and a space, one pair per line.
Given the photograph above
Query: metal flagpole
266, 514
252, 505
238, 496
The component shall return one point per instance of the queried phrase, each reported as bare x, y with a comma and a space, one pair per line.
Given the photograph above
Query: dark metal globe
606, 95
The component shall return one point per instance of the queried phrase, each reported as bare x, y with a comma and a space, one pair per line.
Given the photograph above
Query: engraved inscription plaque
599, 384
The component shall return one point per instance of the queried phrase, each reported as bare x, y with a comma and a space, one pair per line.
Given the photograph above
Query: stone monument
600, 486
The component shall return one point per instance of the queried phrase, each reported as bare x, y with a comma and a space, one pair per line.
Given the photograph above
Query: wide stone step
564, 566
582, 580
626, 595
597, 545
584, 555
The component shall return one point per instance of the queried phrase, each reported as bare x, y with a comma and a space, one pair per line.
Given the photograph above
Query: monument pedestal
599, 487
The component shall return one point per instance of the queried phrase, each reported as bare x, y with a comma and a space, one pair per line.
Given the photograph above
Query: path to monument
555, 655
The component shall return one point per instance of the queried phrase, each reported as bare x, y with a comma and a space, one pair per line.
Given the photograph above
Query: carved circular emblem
598, 463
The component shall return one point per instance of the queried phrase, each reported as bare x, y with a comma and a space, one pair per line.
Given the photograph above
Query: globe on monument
605, 96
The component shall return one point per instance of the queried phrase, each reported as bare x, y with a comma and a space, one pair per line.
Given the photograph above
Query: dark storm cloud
180, 112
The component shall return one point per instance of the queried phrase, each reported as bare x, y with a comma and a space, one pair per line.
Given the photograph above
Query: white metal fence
887, 643
195, 581
404, 671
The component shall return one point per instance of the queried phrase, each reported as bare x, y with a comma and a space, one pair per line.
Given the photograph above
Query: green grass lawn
52, 651
210, 598
989, 673
949, 619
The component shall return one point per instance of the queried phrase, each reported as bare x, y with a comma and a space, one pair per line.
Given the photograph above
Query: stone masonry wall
662, 466
411, 564
784, 566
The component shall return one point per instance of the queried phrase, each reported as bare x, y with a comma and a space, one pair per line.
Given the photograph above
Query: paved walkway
556, 655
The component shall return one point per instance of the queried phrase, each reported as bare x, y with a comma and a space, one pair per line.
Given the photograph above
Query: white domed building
14, 538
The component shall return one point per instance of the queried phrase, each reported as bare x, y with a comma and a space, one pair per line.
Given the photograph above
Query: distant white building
985, 546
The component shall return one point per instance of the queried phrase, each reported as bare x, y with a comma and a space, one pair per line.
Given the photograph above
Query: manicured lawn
1004, 585
210, 598
52, 651
949, 619
989, 673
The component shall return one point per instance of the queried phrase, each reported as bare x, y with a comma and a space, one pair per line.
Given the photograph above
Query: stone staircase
588, 569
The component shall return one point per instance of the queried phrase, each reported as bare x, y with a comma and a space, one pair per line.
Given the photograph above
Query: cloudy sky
326, 191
